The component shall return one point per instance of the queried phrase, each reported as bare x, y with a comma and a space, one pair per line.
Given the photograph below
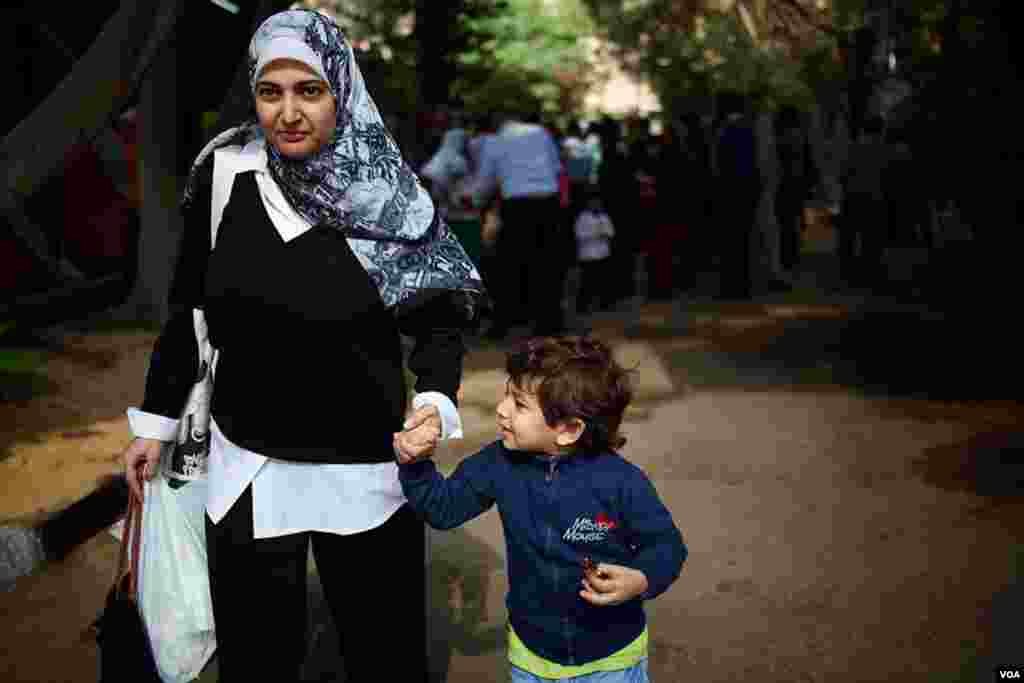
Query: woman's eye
265, 92
312, 91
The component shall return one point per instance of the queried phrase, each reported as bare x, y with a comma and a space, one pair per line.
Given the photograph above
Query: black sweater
310, 365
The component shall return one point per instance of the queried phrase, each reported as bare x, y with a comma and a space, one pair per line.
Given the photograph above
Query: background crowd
678, 198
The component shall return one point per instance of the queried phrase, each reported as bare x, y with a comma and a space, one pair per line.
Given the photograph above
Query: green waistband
519, 655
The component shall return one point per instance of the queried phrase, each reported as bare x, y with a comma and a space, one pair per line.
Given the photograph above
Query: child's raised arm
448, 503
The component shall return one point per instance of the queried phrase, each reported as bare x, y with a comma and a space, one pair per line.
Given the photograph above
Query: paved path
844, 523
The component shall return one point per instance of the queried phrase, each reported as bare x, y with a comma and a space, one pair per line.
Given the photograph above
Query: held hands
612, 584
141, 458
421, 434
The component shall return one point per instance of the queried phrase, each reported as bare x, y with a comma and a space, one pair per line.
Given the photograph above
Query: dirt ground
834, 533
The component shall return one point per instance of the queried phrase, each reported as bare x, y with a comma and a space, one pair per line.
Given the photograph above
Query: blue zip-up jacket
554, 513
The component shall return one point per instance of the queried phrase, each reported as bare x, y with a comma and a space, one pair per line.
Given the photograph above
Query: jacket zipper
550, 475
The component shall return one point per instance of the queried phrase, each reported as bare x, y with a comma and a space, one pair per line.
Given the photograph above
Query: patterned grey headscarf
357, 182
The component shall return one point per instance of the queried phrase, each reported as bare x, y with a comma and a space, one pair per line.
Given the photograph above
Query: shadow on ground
875, 351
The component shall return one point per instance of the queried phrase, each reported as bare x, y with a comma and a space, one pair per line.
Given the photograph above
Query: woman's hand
420, 437
141, 458
612, 584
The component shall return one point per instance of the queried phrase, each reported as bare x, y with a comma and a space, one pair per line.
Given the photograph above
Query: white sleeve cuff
152, 426
451, 422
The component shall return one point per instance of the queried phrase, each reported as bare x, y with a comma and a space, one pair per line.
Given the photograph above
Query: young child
594, 232
587, 538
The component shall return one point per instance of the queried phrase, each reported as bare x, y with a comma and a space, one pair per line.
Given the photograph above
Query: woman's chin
295, 152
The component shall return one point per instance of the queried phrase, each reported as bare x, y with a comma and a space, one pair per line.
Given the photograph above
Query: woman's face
295, 108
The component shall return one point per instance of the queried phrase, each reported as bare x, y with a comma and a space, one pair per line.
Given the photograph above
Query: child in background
594, 232
587, 538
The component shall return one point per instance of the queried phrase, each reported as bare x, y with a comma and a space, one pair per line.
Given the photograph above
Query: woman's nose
290, 112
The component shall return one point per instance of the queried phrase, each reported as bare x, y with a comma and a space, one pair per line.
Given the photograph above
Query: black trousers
736, 221
596, 281
531, 261
789, 207
373, 582
863, 235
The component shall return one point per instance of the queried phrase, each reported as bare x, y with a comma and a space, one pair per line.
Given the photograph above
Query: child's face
521, 424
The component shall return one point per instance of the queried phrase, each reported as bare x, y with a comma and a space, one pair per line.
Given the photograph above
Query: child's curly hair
574, 377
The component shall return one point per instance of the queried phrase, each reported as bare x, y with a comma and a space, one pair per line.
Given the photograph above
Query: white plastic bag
174, 585
173, 582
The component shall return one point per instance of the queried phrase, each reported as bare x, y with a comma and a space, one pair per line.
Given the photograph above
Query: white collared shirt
290, 497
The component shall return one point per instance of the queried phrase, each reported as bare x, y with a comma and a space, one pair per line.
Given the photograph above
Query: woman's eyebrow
300, 84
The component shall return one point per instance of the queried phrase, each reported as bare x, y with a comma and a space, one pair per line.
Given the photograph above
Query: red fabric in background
16, 267
99, 221
563, 188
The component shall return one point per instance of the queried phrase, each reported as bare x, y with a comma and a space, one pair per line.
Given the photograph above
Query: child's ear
569, 432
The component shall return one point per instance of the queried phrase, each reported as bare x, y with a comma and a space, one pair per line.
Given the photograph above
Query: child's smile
522, 427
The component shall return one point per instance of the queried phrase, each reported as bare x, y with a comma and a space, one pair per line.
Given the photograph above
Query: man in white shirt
522, 163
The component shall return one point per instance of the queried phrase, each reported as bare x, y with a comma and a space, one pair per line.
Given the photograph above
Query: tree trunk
84, 103
159, 159
160, 221
434, 23
80, 107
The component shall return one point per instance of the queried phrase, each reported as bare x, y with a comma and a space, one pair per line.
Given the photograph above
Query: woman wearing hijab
326, 248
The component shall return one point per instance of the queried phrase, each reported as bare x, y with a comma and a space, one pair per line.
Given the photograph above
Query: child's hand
420, 437
612, 584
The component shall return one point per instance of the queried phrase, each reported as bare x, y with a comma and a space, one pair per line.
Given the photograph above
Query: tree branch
812, 20
100, 82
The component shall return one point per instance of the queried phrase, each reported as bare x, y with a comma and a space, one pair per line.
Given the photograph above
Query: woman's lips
293, 137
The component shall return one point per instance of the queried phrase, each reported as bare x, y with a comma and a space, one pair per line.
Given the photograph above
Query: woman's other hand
141, 458
420, 436
612, 584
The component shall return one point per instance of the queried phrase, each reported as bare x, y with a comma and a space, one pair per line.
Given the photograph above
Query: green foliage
535, 57
685, 65
764, 72
531, 37
505, 52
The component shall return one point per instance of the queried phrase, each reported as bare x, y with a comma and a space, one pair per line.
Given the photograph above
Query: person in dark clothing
796, 177
327, 250
864, 222
587, 538
737, 191
906, 193
615, 184
653, 228
693, 182
521, 164
668, 220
